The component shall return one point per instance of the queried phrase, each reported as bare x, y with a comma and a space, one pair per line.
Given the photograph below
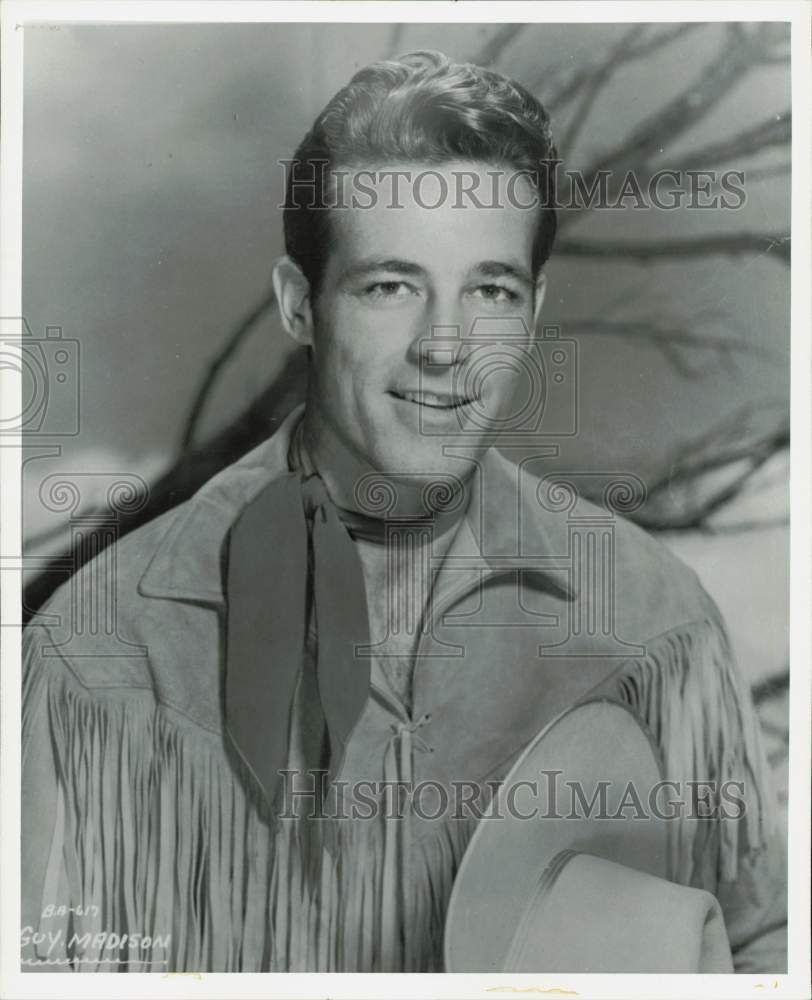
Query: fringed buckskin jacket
148, 845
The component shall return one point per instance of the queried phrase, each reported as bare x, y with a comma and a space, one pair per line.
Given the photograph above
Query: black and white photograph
398, 568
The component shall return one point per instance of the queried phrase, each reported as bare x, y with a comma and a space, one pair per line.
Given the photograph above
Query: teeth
432, 399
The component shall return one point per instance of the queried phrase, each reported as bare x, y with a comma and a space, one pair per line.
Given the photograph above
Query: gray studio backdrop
151, 192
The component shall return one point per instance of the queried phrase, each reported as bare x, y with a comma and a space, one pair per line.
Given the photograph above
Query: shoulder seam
696, 623
96, 689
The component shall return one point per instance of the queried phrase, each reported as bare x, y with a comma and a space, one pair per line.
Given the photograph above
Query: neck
341, 471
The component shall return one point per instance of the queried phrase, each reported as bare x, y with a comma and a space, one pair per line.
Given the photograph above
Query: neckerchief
292, 528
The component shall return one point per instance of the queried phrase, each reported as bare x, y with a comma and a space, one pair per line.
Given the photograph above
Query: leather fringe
160, 832
694, 702
157, 836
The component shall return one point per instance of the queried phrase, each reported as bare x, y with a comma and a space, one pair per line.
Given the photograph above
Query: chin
416, 465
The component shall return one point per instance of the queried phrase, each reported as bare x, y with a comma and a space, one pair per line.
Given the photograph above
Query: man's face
386, 383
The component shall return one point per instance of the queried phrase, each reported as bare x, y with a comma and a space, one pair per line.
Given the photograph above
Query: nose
440, 348
438, 343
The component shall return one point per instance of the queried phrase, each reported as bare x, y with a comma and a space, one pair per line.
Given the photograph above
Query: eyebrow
485, 269
500, 269
376, 264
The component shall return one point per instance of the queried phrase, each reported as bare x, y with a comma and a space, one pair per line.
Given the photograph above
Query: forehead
446, 217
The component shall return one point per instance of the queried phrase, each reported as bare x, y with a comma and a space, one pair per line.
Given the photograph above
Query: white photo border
16, 15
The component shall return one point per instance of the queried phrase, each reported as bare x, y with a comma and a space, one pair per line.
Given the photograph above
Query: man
375, 595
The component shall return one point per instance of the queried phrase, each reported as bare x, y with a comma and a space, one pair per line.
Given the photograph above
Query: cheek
505, 375
347, 365
361, 347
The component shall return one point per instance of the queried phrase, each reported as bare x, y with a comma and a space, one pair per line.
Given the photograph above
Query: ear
539, 291
293, 295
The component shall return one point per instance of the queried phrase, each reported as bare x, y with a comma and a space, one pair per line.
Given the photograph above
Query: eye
388, 290
496, 293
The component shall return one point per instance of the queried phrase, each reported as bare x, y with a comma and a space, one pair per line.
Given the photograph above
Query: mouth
433, 400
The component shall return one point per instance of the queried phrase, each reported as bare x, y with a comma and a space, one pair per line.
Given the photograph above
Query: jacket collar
189, 564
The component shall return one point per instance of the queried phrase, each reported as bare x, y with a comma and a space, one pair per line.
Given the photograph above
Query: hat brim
598, 747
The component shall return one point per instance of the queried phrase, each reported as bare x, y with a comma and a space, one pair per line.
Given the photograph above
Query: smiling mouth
433, 400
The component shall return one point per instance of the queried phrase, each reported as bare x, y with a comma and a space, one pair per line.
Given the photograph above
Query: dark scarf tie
290, 528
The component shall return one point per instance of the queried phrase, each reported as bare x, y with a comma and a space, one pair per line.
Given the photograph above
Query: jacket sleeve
755, 909
691, 695
753, 895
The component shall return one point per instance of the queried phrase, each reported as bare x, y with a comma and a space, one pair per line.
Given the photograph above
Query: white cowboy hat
569, 891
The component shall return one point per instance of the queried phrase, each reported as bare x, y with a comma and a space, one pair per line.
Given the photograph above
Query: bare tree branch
227, 351
737, 56
732, 441
736, 447
771, 686
189, 472
741, 527
740, 51
773, 131
648, 251
593, 85
576, 81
